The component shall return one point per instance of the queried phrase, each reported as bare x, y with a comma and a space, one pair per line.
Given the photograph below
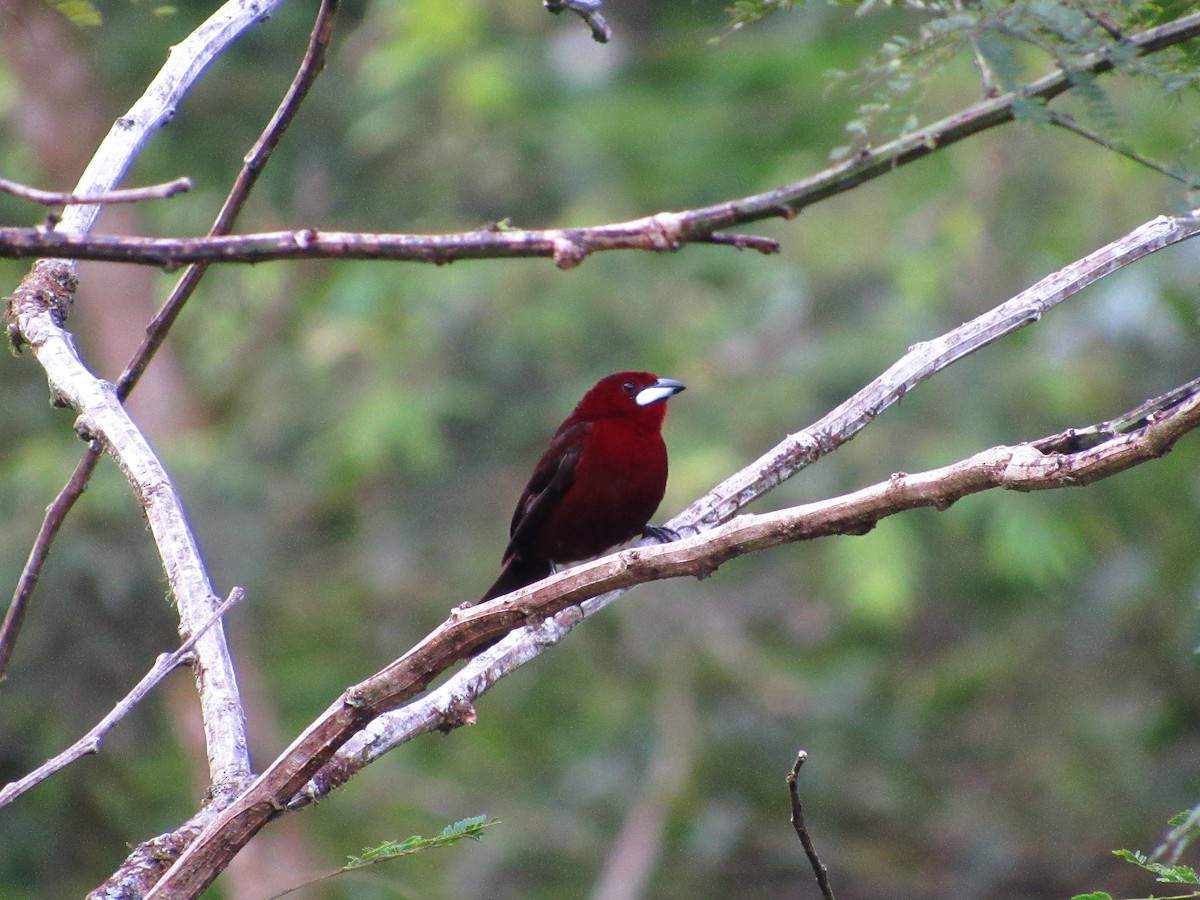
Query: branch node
567, 253
588, 10
458, 713
764, 245
665, 231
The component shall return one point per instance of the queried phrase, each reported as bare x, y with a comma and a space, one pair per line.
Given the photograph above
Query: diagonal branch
1021, 468
36, 313
563, 596
449, 704
90, 742
570, 246
1050, 462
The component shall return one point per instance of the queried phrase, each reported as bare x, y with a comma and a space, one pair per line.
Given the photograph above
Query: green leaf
80, 12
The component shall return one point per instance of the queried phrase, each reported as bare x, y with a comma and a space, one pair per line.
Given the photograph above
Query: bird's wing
551, 479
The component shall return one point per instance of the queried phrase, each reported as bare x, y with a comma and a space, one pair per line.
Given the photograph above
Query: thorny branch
568, 247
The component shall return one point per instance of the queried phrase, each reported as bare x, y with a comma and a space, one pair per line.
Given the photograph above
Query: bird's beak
662, 389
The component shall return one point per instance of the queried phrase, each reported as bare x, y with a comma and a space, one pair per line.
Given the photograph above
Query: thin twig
1068, 123
568, 247
56, 514
256, 160
1074, 439
122, 195
798, 823
90, 742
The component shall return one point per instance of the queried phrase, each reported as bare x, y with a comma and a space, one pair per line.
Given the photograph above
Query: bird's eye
629, 388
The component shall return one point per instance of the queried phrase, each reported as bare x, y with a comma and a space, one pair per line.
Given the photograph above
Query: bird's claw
660, 533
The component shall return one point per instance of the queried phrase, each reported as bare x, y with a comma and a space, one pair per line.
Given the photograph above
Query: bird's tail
518, 572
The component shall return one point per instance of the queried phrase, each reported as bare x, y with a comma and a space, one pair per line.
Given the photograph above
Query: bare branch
255, 161
581, 591
1021, 468
90, 742
156, 107
36, 310
1068, 123
156, 331
452, 703
798, 823
56, 514
124, 195
36, 313
589, 11
922, 361
570, 246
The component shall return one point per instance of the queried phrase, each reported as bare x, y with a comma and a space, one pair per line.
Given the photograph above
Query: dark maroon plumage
597, 484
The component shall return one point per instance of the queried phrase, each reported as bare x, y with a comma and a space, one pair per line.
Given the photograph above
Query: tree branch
156, 107
1020, 468
798, 451
798, 823
36, 310
157, 330
452, 704
90, 742
570, 246
68, 198
563, 596
36, 313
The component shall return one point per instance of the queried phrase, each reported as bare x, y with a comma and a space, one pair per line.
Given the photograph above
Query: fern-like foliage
463, 829
1010, 42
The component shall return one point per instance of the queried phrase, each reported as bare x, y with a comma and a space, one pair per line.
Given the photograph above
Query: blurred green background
993, 697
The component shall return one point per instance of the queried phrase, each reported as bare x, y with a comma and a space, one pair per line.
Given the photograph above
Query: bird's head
625, 394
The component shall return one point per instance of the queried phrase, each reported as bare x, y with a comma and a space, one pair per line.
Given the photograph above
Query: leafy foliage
463, 829
470, 828
1007, 42
80, 12
1177, 874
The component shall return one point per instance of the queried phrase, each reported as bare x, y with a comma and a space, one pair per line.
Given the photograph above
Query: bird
597, 484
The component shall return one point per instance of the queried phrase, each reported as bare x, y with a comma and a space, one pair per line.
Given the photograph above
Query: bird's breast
619, 482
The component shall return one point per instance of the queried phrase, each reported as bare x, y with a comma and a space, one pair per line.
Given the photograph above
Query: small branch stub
589, 11
818, 867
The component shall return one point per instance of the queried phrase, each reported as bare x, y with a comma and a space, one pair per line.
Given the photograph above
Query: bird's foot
660, 533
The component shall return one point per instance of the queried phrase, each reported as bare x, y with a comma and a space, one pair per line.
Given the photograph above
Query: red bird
597, 484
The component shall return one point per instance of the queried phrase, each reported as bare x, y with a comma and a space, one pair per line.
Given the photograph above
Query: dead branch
122, 195
1021, 468
90, 742
570, 246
